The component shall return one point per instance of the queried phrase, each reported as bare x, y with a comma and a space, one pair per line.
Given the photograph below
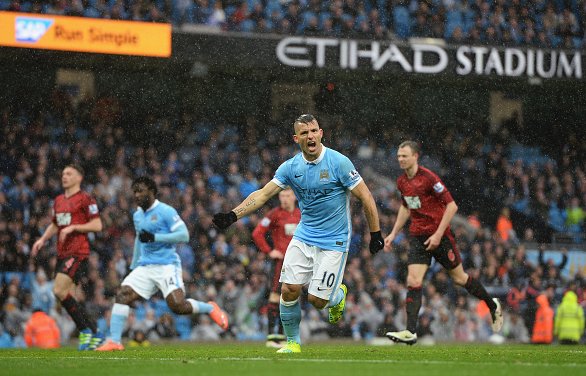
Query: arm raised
253, 202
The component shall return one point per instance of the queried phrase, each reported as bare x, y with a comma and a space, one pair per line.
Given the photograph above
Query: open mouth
312, 145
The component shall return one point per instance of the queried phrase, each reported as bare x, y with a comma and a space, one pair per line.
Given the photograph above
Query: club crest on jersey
438, 187
324, 175
154, 218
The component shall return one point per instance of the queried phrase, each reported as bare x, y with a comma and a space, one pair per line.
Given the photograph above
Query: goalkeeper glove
376, 242
224, 220
146, 237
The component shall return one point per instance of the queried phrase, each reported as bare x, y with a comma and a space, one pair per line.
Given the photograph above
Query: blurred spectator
504, 226
569, 320
14, 314
41, 331
164, 328
139, 340
543, 327
42, 292
514, 328
205, 330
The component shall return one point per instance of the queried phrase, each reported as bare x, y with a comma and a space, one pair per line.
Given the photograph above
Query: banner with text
380, 57
85, 34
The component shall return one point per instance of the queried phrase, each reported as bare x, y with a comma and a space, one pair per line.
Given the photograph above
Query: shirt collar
316, 161
154, 205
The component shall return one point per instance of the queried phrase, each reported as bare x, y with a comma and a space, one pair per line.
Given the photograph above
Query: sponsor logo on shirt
413, 202
313, 194
438, 187
93, 209
290, 229
63, 219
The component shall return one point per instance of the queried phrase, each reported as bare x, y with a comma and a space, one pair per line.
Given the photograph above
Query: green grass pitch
253, 359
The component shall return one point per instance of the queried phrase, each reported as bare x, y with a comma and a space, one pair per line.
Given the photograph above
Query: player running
75, 214
155, 263
431, 207
322, 179
282, 221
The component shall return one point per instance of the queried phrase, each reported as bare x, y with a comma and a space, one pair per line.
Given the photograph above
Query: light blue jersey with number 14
323, 190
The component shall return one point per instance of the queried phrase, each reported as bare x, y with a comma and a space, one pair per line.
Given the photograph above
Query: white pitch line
436, 362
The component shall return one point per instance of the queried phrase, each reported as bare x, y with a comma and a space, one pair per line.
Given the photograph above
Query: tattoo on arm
238, 211
251, 202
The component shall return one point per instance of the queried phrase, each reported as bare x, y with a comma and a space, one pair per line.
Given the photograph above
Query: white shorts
147, 280
322, 269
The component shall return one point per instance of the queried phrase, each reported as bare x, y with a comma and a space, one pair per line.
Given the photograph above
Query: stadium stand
503, 23
194, 179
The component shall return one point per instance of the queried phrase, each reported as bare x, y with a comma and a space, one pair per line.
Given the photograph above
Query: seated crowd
206, 166
541, 24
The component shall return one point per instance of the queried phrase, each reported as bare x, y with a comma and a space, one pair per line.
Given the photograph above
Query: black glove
376, 242
146, 237
224, 220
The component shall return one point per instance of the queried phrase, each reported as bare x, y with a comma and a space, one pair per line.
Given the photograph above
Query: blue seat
183, 326
453, 21
26, 6
216, 182
9, 275
307, 16
247, 26
454, 15
402, 22
229, 10
140, 312
322, 17
92, 13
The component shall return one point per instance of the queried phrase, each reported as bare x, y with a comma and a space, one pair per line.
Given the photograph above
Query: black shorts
74, 267
446, 252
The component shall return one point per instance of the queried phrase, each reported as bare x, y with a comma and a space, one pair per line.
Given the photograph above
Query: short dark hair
148, 181
76, 167
412, 144
305, 118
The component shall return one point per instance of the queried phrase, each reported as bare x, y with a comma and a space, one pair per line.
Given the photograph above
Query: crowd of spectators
205, 166
537, 23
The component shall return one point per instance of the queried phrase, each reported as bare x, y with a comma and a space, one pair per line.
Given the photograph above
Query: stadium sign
428, 58
84, 35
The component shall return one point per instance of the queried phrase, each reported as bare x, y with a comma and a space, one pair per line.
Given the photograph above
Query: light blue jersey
323, 190
160, 218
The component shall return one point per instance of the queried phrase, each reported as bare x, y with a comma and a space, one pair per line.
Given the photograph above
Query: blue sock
200, 307
117, 320
337, 299
290, 319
